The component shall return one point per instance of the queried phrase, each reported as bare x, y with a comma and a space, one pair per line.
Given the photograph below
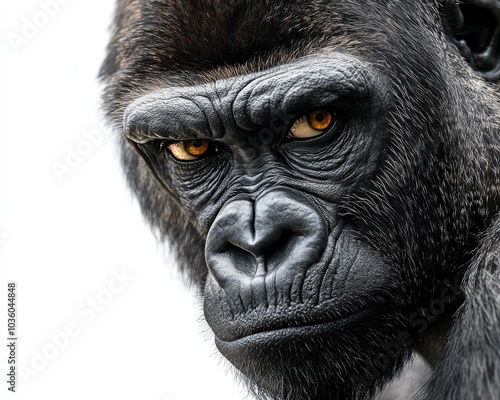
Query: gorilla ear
474, 27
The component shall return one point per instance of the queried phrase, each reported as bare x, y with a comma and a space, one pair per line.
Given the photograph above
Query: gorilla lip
268, 334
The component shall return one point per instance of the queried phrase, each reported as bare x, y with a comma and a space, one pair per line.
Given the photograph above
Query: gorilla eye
189, 150
312, 124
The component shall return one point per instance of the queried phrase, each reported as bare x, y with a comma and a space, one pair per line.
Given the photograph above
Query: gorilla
328, 175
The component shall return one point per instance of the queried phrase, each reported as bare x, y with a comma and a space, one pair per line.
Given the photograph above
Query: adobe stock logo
31, 27
75, 155
419, 321
86, 312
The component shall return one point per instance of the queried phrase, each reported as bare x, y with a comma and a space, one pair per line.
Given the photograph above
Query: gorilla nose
281, 233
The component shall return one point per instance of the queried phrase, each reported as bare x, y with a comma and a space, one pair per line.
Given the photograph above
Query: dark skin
329, 175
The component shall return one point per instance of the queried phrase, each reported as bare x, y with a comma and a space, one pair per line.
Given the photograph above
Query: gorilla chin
311, 362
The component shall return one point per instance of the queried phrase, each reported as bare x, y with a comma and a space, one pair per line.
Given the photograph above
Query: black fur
407, 190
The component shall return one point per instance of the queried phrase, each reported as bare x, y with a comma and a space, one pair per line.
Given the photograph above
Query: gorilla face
322, 168
266, 195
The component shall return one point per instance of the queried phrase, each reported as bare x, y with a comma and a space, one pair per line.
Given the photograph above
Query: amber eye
313, 124
320, 119
188, 150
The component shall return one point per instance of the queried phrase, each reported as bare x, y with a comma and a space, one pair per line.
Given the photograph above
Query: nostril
258, 260
280, 248
283, 239
243, 260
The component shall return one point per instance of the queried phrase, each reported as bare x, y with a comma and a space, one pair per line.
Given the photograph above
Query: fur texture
425, 199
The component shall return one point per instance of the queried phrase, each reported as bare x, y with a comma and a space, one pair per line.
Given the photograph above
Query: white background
64, 238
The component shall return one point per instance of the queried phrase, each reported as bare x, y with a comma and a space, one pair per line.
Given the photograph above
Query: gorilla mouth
266, 349
277, 331
259, 313
304, 305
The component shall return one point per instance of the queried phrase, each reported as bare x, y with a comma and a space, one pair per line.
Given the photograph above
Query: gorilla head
328, 173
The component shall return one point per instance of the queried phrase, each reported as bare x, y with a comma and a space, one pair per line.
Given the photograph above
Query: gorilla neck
431, 345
